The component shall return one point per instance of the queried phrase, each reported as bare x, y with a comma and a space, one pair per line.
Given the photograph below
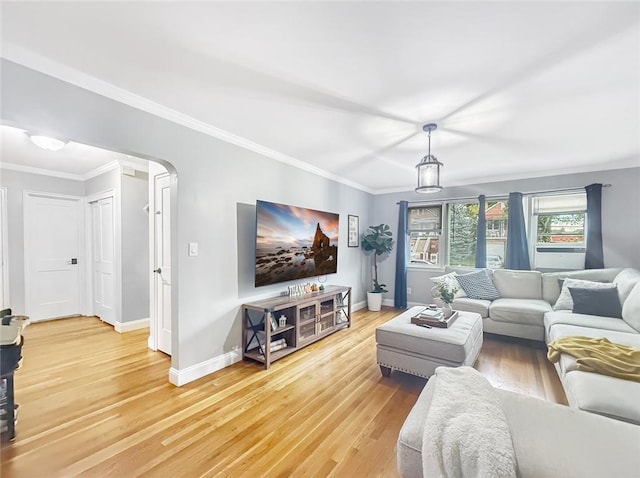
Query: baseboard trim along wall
199, 370
390, 303
359, 305
123, 327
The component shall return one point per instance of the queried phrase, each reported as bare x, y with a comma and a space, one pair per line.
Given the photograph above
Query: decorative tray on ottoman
434, 318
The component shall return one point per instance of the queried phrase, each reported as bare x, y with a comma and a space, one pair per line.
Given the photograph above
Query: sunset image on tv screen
294, 243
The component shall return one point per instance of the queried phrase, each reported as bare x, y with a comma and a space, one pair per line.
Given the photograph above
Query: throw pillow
602, 302
448, 280
631, 308
565, 302
479, 285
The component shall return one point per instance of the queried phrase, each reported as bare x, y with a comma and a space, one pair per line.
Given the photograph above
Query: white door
52, 251
4, 266
162, 261
103, 249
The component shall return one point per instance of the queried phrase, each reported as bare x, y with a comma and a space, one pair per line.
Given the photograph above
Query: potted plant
379, 240
447, 295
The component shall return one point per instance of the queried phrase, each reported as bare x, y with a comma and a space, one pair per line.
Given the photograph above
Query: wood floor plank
98, 403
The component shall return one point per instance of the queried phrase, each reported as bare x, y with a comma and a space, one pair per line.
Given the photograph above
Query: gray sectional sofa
525, 310
549, 440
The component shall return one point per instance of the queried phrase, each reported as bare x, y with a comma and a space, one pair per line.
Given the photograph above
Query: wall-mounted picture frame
353, 231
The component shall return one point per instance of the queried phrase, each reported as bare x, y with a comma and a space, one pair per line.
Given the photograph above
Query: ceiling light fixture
45, 142
429, 168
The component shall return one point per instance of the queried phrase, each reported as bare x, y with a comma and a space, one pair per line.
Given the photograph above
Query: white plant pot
374, 301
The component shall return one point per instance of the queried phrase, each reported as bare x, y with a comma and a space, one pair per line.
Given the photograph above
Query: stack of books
433, 318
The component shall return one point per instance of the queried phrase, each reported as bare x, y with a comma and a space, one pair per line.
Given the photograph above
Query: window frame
439, 265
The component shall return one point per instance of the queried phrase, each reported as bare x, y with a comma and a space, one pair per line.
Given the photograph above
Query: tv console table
307, 318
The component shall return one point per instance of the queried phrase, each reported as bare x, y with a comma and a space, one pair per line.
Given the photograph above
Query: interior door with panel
103, 253
52, 227
162, 261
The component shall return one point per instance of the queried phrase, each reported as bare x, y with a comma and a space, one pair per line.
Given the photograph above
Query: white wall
16, 183
620, 218
217, 186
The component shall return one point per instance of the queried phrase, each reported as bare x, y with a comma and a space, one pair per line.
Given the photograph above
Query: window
558, 231
447, 233
424, 227
463, 226
560, 220
462, 233
496, 214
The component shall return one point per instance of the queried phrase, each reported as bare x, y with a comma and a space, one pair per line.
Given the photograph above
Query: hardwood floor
98, 403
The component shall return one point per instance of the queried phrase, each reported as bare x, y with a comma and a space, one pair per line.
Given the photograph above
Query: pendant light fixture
429, 168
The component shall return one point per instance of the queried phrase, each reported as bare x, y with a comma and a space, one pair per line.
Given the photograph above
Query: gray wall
218, 185
16, 183
135, 246
620, 218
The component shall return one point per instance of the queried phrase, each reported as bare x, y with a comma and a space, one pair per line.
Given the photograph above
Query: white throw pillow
448, 280
631, 308
565, 302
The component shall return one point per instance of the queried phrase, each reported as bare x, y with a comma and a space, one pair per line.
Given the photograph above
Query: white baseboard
199, 370
123, 327
390, 303
359, 305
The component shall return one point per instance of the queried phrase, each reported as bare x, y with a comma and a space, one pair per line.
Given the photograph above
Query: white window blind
565, 203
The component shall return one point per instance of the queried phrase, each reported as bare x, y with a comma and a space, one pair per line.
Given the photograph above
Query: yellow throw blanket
599, 356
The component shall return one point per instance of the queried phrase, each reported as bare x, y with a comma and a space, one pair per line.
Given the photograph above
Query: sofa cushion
631, 308
602, 394
602, 302
479, 285
583, 320
472, 305
565, 302
625, 281
551, 286
519, 311
563, 330
518, 284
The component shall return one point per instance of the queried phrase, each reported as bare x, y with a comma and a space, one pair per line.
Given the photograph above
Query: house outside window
424, 227
496, 214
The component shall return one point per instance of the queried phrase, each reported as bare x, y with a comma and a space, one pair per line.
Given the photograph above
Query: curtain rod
496, 196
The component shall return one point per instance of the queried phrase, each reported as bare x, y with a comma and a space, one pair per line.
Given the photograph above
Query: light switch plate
193, 248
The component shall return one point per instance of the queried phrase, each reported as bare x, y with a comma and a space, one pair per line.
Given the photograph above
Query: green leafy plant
447, 295
379, 240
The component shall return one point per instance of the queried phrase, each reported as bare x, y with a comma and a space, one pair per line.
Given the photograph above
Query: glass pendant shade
429, 168
429, 175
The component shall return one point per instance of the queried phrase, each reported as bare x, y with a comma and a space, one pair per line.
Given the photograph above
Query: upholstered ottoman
417, 350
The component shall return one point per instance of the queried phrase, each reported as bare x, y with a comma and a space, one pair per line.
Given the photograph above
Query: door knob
158, 270
73, 260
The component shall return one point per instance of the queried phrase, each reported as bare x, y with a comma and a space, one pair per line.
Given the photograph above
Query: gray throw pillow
478, 285
601, 302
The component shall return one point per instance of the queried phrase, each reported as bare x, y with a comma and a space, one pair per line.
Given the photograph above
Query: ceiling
518, 89
74, 161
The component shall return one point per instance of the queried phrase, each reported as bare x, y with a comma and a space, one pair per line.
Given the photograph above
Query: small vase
446, 310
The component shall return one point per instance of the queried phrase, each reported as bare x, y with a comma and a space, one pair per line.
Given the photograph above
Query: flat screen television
294, 243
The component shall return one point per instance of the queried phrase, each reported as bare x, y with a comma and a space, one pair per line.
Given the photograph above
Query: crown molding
101, 170
75, 77
41, 171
